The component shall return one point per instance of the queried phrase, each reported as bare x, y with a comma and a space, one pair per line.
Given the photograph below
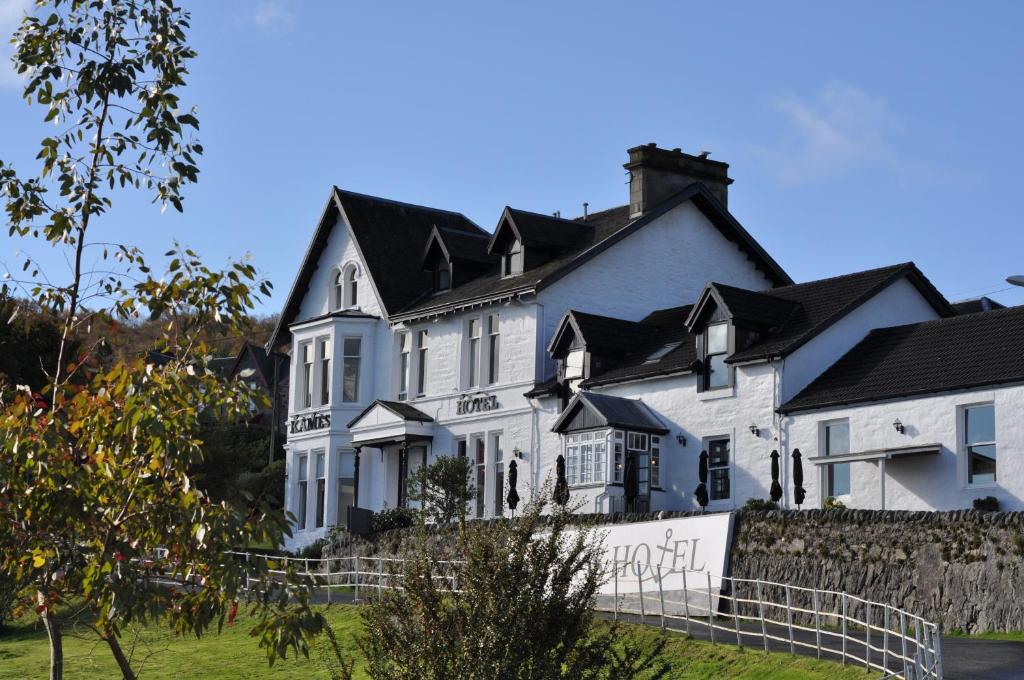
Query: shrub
313, 551
833, 503
392, 518
523, 611
444, 489
760, 504
987, 504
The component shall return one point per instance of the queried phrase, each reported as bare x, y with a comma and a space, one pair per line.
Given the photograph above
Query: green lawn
233, 654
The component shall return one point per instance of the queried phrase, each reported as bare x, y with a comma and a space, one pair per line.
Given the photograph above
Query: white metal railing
857, 631
878, 636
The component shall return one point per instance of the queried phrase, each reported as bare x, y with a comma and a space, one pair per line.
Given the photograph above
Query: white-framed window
350, 363
404, 358
338, 291
493, 349
574, 370
618, 455
302, 490
512, 261
473, 353
498, 477
324, 359
421, 363
716, 349
345, 288
480, 461
346, 484
321, 487
306, 375
835, 437
585, 457
719, 469
979, 428
655, 461
461, 447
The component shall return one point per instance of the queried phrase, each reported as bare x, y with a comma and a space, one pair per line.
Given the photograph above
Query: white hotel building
645, 333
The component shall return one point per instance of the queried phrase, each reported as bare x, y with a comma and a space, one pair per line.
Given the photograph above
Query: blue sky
858, 135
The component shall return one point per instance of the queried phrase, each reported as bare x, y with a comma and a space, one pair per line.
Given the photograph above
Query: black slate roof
657, 330
612, 412
972, 350
821, 303
981, 304
391, 237
791, 315
607, 336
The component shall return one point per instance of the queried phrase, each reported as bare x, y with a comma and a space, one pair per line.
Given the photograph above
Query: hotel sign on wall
475, 403
309, 422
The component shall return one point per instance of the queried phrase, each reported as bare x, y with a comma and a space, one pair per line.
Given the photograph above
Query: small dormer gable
524, 240
454, 257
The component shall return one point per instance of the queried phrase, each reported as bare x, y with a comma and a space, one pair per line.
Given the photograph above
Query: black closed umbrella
776, 492
798, 478
561, 495
630, 481
702, 474
513, 497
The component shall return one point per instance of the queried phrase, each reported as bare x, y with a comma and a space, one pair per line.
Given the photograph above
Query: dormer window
574, 361
716, 349
442, 276
512, 260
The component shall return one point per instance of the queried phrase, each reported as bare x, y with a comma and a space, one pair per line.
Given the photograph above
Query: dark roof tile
959, 352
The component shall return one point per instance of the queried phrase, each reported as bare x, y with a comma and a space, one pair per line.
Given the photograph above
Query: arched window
351, 288
338, 292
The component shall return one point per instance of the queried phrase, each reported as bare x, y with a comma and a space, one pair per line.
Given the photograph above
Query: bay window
302, 490
585, 455
321, 489
498, 456
324, 356
404, 347
351, 350
574, 370
346, 484
655, 461
306, 374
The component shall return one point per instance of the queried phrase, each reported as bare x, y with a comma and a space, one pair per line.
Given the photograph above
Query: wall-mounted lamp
517, 453
898, 426
755, 430
681, 438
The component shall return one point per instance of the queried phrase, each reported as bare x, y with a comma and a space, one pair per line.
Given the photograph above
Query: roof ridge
406, 204
591, 215
838, 277
964, 318
547, 216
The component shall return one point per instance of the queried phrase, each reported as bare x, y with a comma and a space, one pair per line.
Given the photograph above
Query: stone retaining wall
963, 569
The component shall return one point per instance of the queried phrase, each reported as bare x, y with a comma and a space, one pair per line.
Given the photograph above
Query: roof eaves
902, 394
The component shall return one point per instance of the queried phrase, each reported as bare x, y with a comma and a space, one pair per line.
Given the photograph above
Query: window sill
719, 393
589, 485
980, 487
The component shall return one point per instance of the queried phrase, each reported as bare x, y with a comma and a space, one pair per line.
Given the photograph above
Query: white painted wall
928, 482
664, 264
898, 304
697, 416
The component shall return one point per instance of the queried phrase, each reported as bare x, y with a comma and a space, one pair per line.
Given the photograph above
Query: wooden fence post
789, 620
817, 621
844, 627
640, 585
686, 602
711, 612
661, 595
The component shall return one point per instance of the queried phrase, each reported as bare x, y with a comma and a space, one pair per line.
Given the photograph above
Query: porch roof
390, 422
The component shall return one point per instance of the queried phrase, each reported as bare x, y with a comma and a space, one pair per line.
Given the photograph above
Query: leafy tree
444, 489
231, 450
97, 497
30, 341
523, 609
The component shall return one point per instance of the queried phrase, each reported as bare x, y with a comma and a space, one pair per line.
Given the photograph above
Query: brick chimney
655, 174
